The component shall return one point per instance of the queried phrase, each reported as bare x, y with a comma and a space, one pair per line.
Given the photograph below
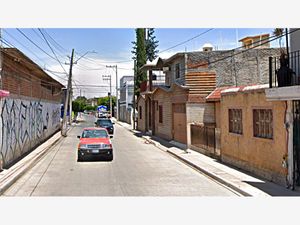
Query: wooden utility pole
64, 125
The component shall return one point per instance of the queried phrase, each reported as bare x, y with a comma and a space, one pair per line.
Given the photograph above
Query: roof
252, 37
19, 56
215, 95
94, 128
247, 88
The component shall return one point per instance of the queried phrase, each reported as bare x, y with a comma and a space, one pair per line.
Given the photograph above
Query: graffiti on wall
24, 124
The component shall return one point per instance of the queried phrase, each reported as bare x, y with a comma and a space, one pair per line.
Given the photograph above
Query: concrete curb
21, 167
200, 169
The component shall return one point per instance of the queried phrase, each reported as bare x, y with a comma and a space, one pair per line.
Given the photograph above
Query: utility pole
108, 77
134, 102
64, 125
117, 101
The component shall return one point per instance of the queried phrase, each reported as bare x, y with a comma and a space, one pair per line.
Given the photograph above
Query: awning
4, 93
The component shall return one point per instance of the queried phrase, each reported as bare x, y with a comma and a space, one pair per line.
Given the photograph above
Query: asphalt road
138, 169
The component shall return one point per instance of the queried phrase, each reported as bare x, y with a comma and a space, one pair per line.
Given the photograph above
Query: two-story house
171, 109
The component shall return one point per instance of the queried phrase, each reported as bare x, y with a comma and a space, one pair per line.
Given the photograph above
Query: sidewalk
242, 183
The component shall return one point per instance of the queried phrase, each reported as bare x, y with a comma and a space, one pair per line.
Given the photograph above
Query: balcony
284, 72
157, 80
284, 78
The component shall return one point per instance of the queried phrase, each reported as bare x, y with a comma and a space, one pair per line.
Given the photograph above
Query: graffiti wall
24, 124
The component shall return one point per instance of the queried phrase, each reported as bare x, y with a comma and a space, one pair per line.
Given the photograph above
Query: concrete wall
295, 40
200, 112
25, 123
258, 155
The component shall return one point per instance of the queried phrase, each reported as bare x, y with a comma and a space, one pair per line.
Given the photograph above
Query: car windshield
104, 123
94, 134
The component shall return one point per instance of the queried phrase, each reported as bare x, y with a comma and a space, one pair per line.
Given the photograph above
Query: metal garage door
179, 123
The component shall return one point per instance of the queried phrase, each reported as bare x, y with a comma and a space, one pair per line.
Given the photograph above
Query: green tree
106, 101
151, 45
140, 56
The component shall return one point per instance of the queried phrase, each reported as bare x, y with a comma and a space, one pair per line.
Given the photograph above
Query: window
263, 123
177, 71
140, 112
235, 121
160, 114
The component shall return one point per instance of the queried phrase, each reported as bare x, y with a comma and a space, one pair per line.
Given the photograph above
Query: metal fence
204, 137
284, 71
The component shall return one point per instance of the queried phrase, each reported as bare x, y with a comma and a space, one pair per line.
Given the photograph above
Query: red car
94, 141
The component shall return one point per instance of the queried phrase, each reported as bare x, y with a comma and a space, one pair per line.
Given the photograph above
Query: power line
181, 43
52, 50
35, 44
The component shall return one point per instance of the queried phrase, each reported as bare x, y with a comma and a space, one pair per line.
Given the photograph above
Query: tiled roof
215, 95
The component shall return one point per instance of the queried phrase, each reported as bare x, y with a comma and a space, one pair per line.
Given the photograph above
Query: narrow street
138, 169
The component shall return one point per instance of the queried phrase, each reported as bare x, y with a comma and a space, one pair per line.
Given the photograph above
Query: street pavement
244, 183
139, 168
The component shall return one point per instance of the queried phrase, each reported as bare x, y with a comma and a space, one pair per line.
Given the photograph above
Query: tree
140, 56
151, 45
278, 32
105, 101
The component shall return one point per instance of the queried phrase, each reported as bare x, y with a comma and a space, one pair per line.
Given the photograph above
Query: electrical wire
52, 50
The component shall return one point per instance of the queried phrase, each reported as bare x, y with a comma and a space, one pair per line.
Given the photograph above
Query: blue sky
113, 45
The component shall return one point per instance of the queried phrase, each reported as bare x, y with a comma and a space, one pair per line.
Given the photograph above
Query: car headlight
82, 146
106, 146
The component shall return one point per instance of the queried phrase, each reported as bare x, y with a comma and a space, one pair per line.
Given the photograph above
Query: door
296, 141
179, 123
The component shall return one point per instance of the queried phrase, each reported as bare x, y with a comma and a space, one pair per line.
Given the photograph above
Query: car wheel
110, 157
79, 157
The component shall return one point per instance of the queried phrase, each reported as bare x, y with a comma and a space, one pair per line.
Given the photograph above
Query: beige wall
258, 155
218, 116
141, 122
163, 129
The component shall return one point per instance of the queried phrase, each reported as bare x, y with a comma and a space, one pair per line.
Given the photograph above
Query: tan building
252, 133
257, 41
141, 117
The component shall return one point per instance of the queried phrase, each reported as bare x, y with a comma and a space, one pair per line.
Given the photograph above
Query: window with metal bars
235, 121
263, 123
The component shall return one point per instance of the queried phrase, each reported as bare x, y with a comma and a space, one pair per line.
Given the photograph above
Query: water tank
207, 47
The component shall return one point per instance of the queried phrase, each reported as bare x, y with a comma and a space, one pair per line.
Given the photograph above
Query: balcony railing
284, 72
158, 80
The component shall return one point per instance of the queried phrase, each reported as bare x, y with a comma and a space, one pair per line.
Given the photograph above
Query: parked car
93, 142
105, 123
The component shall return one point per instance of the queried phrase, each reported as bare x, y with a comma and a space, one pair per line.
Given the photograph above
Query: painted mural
24, 124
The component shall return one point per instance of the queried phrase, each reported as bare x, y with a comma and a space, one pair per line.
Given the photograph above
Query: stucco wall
24, 124
141, 122
258, 155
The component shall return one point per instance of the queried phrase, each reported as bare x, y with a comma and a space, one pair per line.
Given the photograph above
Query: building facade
126, 99
31, 112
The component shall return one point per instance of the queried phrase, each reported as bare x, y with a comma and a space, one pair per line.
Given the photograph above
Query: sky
101, 47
